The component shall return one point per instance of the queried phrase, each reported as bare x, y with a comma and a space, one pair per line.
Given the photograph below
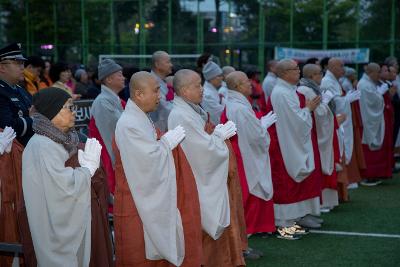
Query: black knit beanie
50, 101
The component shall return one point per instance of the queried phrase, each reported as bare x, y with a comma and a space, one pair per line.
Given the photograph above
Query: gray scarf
199, 110
317, 90
43, 126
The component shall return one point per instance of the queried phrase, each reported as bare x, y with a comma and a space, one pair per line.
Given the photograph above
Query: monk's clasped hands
353, 95
174, 137
382, 89
6, 139
225, 131
90, 158
268, 120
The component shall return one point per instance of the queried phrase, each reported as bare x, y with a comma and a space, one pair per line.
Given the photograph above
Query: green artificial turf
370, 210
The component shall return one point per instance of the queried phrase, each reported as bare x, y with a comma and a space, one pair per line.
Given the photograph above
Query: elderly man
160, 69
349, 131
58, 198
269, 80
211, 102
295, 162
209, 158
325, 125
14, 100
251, 149
223, 91
378, 128
165, 233
105, 112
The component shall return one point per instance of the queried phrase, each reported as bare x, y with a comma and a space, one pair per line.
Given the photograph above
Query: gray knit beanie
211, 70
107, 67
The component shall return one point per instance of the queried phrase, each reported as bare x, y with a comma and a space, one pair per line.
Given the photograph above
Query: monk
10, 182
377, 118
295, 162
210, 160
57, 198
167, 232
251, 146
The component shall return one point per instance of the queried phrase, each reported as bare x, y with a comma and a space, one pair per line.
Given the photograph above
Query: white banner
356, 55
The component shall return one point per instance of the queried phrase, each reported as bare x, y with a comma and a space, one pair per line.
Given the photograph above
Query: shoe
248, 255
316, 219
352, 186
369, 182
325, 210
308, 223
299, 230
286, 233
256, 251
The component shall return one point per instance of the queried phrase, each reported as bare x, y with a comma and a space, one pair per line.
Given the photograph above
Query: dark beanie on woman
50, 101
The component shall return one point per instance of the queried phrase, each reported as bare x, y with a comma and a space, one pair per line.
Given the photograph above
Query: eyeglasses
73, 108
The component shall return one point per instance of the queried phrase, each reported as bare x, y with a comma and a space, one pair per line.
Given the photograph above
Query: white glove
326, 97
268, 120
174, 137
353, 95
225, 131
6, 139
382, 89
90, 158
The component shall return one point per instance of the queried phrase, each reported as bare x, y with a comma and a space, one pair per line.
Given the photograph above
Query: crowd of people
181, 168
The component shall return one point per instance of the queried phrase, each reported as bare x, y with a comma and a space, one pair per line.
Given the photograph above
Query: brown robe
101, 249
357, 161
10, 180
129, 236
228, 249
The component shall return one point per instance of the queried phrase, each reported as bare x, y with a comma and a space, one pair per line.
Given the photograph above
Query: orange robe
129, 236
228, 249
11, 193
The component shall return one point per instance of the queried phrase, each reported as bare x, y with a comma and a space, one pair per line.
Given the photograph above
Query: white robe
293, 127
223, 90
253, 143
371, 106
211, 103
150, 172
346, 84
345, 133
208, 157
269, 84
324, 123
57, 200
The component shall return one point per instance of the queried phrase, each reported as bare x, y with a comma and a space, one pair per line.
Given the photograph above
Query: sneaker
352, 186
308, 223
299, 230
315, 218
286, 233
369, 182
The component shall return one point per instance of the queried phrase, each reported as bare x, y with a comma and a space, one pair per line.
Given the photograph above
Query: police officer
15, 101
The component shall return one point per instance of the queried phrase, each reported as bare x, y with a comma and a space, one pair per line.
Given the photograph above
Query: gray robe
106, 110
160, 116
57, 203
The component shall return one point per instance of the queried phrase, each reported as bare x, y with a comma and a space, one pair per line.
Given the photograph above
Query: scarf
315, 87
199, 110
43, 126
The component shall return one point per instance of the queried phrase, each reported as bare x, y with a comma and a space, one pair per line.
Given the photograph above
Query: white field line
354, 234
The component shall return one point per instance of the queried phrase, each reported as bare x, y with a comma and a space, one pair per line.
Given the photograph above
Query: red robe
287, 190
330, 181
380, 162
259, 214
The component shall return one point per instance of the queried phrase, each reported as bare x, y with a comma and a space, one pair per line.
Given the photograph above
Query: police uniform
15, 102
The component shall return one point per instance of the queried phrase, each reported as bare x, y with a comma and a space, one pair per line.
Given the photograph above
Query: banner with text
356, 55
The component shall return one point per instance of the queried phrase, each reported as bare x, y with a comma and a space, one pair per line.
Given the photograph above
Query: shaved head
157, 56
310, 69
238, 81
226, 70
283, 65
372, 67
183, 78
288, 70
271, 65
336, 66
139, 81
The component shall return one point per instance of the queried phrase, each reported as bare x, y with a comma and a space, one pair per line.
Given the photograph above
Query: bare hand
313, 103
340, 118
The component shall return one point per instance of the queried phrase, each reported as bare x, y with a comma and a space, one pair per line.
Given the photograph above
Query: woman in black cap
57, 198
